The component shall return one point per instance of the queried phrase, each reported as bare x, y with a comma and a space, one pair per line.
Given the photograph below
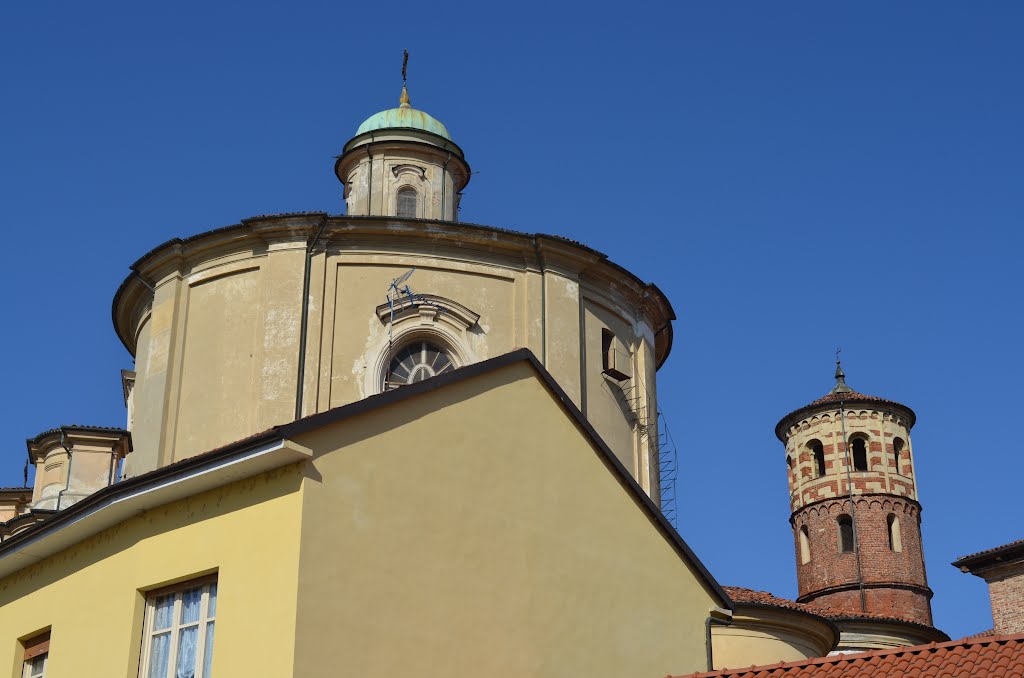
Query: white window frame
176, 626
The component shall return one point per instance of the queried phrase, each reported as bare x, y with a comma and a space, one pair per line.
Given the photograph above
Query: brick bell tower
856, 519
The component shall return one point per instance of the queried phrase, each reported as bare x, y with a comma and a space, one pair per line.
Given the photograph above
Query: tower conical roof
841, 393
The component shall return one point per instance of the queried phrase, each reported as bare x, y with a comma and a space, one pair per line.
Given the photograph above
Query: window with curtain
178, 640
407, 203
37, 650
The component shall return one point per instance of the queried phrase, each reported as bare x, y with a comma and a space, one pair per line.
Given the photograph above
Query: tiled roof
88, 427
997, 550
751, 597
845, 397
994, 657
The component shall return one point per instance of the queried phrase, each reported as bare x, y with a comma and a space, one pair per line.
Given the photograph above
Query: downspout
369, 182
853, 509
304, 324
543, 306
67, 485
716, 616
444, 183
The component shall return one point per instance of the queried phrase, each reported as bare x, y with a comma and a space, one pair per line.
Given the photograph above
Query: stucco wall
474, 531
92, 594
762, 635
217, 344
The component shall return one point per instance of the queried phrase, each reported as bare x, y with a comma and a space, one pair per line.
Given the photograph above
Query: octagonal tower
856, 518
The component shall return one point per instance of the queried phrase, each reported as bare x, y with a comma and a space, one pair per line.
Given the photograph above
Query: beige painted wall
92, 594
759, 636
474, 531
217, 344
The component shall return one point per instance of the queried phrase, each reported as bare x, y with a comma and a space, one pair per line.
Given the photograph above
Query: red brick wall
1007, 594
901, 603
829, 569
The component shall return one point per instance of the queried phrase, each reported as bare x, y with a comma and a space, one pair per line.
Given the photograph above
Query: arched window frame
805, 545
817, 453
897, 451
895, 536
404, 191
859, 440
845, 536
416, 344
428, 317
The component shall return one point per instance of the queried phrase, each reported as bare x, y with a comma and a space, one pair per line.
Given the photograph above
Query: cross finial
840, 386
403, 101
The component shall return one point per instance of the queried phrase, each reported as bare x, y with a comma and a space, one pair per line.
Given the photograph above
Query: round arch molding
425, 317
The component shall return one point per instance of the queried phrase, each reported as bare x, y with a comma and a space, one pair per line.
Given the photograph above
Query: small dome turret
404, 117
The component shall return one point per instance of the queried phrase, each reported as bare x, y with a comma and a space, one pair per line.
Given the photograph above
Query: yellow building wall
92, 594
474, 530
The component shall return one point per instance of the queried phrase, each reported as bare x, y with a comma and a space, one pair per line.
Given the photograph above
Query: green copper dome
404, 117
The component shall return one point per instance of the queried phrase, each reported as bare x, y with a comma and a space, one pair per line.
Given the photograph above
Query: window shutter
37, 646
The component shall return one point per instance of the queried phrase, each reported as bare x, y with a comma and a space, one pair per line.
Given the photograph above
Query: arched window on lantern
805, 546
897, 451
845, 525
406, 207
860, 454
895, 539
817, 451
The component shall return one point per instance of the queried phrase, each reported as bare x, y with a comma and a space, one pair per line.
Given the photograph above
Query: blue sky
795, 176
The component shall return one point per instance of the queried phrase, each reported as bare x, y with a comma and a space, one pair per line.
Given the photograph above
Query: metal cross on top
405, 64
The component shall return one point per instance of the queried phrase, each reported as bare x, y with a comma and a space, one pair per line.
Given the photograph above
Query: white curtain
159, 655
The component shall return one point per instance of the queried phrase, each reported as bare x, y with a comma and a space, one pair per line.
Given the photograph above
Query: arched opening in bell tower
897, 452
860, 454
818, 454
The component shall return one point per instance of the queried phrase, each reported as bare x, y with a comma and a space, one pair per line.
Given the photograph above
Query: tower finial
840, 386
403, 101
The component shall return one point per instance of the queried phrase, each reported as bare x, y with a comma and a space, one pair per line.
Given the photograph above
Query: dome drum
214, 323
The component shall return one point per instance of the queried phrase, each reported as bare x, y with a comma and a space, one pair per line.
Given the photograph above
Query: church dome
404, 117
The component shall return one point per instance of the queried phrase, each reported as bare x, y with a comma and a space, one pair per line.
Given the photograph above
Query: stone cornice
178, 257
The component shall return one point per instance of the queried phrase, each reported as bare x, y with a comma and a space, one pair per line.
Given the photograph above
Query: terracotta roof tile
750, 596
994, 657
1012, 545
846, 397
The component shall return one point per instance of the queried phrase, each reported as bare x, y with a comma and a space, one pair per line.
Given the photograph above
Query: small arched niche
805, 546
895, 538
